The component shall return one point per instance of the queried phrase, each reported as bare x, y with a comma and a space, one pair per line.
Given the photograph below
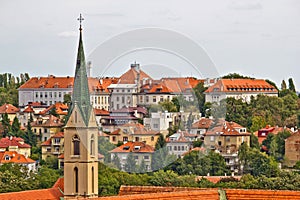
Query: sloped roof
242, 85
28, 109
14, 157
13, 141
203, 123
101, 84
130, 76
60, 108
48, 82
47, 142
58, 135
54, 193
130, 110
180, 84
51, 122
130, 147
101, 112
159, 88
9, 109
226, 128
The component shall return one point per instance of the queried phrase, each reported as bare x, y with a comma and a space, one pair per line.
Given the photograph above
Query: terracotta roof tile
51, 122
13, 141
101, 84
9, 109
130, 76
131, 147
14, 157
242, 85
28, 109
101, 112
48, 82
47, 142
203, 123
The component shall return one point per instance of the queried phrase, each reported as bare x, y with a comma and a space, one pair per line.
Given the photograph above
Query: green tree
142, 168
130, 165
47, 177
283, 85
199, 93
116, 162
291, 85
29, 136
104, 146
160, 143
254, 141
168, 106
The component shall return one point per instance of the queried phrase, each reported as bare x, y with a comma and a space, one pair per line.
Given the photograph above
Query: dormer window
137, 148
6, 157
126, 148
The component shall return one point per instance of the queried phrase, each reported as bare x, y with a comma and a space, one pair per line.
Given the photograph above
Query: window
155, 125
59, 94
93, 180
152, 138
41, 94
123, 99
128, 90
118, 98
146, 157
136, 157
123, 90
46, 94
125, 139
114, 138
50, 94
56, 140
212, 138
161, 99
45, 130
7, 157
76, 179
227, 138
175, 148
137, 139
36, 95
182, 148
76, 145
92, 151
154, 99
147, 99
55, 94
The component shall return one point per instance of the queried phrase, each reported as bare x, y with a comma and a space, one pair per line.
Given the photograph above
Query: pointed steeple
81, 95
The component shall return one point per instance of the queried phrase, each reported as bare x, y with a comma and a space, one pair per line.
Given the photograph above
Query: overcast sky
259, 38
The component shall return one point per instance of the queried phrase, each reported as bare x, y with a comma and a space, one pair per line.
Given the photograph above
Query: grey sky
258, 38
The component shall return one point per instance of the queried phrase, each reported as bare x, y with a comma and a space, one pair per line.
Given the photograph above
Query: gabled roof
242, 86
159, 88
130, 76
52, 121
13, 141
9, 109
14, 157
28, 109
180, 84
47, 142
101, 84
60, 108
225, 128
133, 147
203, 123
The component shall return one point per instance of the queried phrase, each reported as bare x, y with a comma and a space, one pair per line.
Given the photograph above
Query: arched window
76, 179
92, 150
93, 180
76, 145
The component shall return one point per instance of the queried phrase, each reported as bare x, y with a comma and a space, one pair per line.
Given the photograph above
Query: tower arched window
76, 179
92, 150
75, 113
76, 145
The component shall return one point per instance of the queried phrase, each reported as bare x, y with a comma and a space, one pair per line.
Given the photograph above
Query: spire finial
80, 19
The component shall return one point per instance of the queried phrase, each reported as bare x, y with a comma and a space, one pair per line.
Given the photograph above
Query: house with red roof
263, 133
46, 126
10, 110
16, 158
139, 150
53, 146
239, 89
180, 142
201, 126
134, 132
15, 144
225, 138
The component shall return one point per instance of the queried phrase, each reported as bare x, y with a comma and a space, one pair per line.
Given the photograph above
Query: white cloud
245, 5
67, 34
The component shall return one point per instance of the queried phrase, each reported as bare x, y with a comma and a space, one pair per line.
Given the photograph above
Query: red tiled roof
202, 149
54, 193
14, 157
48, 82
9, 109
226, 129
180, 84
130, 147
115, 132
58, 135
60, 108
29, 109
203, 123
159, 88
242, 85
130, 76
51, 122
47, 142
13, 141
101, 85
101, 112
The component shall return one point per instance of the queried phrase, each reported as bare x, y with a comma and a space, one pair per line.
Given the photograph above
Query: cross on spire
80, 19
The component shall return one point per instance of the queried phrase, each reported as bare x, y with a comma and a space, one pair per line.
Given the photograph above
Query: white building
239, 89
122, 95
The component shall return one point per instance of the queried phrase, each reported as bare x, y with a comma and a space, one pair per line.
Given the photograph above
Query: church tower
80, 137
